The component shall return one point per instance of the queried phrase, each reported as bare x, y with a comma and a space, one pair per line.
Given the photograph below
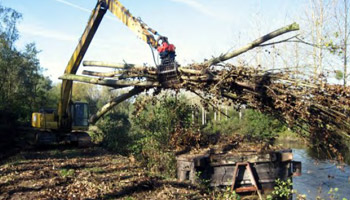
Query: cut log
102, 74
190, 71
114, 102
111, 65
110, 82
121, 74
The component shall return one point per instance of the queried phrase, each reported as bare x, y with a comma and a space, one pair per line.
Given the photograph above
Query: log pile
309, 105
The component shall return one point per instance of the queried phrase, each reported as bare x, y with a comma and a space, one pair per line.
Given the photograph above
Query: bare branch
252, 45
281, 41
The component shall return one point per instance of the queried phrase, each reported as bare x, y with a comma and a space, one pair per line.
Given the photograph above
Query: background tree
23, 87
341, 35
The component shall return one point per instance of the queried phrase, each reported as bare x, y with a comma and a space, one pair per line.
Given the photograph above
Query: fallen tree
313, 108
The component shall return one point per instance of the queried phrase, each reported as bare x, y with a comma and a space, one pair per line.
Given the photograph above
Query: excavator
70, 121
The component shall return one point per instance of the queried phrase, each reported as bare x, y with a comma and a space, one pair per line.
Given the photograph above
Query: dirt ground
90, 173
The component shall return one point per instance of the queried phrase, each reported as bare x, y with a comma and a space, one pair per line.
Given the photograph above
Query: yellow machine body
44, 121
49, 120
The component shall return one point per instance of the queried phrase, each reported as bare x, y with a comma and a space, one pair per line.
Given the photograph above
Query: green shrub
260, 127
115, 128
253, 125
283, 190
227, 194
159, 129
226, 127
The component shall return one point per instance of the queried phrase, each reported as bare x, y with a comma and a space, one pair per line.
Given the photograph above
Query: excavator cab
47, 119
80, 115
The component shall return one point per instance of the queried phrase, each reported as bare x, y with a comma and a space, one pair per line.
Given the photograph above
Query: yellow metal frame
115, 7
136, 25
44, 121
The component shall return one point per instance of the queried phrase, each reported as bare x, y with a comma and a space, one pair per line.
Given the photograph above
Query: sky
198, 28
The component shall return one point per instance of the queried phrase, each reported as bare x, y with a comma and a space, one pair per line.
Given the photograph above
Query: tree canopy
23, 87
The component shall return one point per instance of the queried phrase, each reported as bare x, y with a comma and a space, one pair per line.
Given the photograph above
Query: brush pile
314, 109
309, 105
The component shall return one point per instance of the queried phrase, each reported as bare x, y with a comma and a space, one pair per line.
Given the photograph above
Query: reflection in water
319, 175
320, 155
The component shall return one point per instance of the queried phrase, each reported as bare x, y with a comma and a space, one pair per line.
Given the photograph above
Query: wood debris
312, 107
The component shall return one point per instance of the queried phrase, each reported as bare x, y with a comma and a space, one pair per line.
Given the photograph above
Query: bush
254, 126
227, 194
227, 127
161, 128
282, 190
115, 127
113, 130
260, 127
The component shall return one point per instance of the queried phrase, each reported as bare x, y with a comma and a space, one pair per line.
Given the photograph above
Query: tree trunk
252, 45
111, 65
110, 82
346, 13
136, 90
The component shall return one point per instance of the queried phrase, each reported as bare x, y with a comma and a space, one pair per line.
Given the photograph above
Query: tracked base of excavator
80, 139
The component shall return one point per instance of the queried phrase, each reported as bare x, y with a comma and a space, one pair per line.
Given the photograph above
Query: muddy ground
89, 173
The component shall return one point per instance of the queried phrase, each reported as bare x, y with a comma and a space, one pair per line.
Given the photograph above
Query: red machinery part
166, 47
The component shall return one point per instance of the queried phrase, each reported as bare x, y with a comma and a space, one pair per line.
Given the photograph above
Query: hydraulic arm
64, 112
166, 70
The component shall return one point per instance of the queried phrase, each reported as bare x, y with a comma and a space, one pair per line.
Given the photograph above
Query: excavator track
79, 139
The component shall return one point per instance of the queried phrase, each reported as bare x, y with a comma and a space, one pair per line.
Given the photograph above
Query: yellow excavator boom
135, 24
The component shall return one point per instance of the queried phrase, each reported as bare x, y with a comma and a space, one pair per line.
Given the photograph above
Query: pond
319, 175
